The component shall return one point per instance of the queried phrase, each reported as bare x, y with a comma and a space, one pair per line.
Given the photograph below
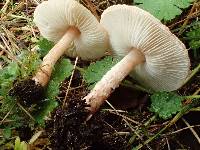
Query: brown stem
43, 74
112, 79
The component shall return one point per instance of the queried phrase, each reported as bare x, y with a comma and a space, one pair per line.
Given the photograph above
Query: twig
113, 111
33, 32
192, 130
4, 8
197, 91
25, 111
110, 126
189, 98
8, 51
5, 43
196, 70
180, 130
78, 87
187, 19
125, 117
194, 15
70, 81
1, 53
168, 146
129, 125
92, 8
118, 133
192, 97
17, 16
195, 109
35, 137
150, 120
10, 37
6, 115
184, 110
19, 6
36, 2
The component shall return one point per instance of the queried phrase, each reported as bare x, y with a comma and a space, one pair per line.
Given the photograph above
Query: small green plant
193, 37
164, 9
26, 64
7, 133
43, 109
96, 70
7, 75
165, 104
61, 71
30, 61
44, 46
20, 145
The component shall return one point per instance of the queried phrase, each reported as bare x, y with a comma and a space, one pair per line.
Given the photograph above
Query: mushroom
73, 28
75, 31
151, 53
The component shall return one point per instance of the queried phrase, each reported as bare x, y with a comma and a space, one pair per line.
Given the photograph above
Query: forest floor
124, 122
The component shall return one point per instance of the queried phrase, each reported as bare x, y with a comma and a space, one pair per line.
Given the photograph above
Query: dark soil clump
71, 131
25, 133
27, 92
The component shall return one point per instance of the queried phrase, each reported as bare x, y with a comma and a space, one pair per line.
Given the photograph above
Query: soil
27, 92
25, 133
107, 131
69, 129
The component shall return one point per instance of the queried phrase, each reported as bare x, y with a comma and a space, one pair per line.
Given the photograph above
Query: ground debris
70, 131
27, 92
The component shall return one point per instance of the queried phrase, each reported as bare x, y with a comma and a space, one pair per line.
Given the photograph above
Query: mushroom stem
112, 79
43, 74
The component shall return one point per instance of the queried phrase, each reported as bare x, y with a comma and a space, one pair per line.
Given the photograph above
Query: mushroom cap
54, 17
167, 62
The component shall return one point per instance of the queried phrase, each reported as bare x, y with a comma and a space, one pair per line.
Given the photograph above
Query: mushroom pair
151, 53
75, 31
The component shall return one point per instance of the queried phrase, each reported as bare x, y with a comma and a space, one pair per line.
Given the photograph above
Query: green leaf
194, 38
9, 72
20, 145
52, 89
166, 104
95, 71
30, 63
7, 133
164, 9
62, 70
44, 46
44, 108
7, 75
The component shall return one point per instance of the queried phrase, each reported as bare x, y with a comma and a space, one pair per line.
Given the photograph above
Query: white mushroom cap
167, 62
54, 17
